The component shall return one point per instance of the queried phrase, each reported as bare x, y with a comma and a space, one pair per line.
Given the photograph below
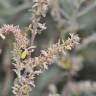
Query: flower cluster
21, 38
47, 56
27, 67
39, 9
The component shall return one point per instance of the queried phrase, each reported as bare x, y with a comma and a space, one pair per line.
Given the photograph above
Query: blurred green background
18, 12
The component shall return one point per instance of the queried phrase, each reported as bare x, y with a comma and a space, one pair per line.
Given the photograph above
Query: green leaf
87, 17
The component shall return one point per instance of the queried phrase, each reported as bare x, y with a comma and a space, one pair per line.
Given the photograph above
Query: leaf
67, 7
87, 17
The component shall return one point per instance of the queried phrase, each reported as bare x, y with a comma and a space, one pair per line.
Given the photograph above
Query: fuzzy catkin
25, 68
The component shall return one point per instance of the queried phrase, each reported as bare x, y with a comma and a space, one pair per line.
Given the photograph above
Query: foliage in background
63, 17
